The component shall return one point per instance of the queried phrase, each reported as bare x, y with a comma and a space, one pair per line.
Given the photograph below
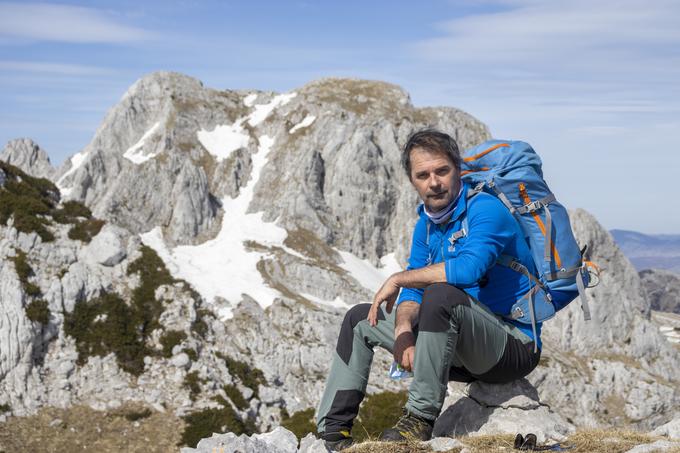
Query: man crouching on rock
449, 321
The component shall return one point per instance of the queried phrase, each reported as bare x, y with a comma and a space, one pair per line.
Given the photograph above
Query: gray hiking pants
457, 339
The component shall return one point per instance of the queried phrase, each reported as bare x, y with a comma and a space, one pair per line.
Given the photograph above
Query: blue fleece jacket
492, 232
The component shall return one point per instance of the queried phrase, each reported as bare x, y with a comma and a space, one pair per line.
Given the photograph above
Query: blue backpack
511, 171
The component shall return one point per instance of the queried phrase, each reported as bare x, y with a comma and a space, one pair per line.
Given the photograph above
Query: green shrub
204, 423
377, 413
300, 423
28, 200
70, 211
5, 408
193, 355
235, 396
170, 339
87, 229
200, 326
152, 273
125, 328
193, 382
117, 332
250, 377
24, 271
38, 311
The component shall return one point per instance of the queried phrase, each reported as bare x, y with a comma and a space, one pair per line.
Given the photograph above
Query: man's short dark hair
433, 141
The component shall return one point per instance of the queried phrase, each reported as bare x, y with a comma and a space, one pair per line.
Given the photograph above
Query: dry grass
131, 428
135, 428
590, 441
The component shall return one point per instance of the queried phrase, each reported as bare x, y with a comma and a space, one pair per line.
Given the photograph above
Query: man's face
434, 177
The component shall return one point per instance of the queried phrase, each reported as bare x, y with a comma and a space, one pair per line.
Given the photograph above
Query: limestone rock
3, 178
107, 248
27, 155
659, 445
443, 444
670, 429
279, 440
311, 444
181, 360
663, 289
493, 409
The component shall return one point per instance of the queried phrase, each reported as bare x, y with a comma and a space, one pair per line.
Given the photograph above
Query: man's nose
434, 181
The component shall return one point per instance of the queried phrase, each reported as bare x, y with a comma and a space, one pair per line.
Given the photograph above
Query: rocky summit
198, 255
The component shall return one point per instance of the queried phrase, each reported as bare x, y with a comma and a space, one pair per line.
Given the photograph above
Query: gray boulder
3, 178
493, 409
107, 248
670, 429
27, 155
280, 440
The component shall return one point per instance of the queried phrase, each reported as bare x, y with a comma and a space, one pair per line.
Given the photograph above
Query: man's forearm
421, 278
407, 311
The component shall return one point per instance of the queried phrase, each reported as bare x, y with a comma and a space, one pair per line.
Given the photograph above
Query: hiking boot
337, 441
409, 427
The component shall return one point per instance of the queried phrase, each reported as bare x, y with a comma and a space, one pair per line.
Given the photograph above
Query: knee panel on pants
440, 302
354, 316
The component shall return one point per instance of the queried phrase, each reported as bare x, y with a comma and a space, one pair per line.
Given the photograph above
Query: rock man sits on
448, 324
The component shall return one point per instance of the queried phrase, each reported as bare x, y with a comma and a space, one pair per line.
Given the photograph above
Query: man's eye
421, 176
443, 171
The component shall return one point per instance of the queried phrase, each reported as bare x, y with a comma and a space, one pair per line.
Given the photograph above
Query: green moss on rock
235, 396
84, 231
28, 200
38, 311
107, 324
250, 377
24, 272
193, 355
170, 339
70, 212
193, 383
204, 423
300, 423
377, 413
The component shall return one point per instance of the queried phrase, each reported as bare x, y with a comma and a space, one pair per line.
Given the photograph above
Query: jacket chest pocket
450, 246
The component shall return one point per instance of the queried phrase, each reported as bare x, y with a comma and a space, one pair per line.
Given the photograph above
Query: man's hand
405, 350
387, 293
404, 344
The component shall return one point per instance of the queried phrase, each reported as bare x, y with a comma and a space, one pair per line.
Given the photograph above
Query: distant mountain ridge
650, 251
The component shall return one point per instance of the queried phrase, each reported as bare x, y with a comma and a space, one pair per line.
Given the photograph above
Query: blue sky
593, 85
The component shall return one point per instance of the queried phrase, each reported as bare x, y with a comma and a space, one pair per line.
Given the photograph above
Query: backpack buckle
516, 313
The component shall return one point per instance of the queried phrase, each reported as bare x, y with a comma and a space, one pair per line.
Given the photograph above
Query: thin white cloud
42, 67
64, 23
556, 31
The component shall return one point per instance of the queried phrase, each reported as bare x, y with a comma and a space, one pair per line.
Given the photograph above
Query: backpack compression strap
535, 206
512, 263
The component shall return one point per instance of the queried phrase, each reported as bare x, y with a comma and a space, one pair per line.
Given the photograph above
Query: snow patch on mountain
76, 161
262, 111
135, 153
309, 119
369, 276
249, 100
224, 140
